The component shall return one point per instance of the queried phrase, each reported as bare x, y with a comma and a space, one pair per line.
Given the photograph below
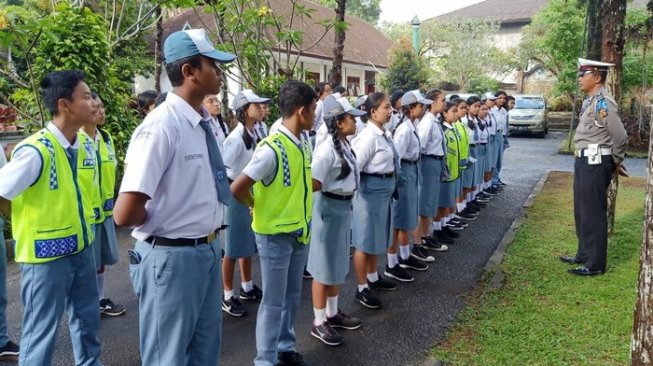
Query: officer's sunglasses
583, 73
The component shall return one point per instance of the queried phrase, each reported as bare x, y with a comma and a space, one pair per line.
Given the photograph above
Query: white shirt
360, 125
261, 130
322, 135
3, 157
394, 121
326, 167
501, 117
263, 165
483, 135
235, 153
26, 165
279, 122
471, 132
319, 115
218, 133
374, 153
169, 162
492, 130
406, 141
430, 135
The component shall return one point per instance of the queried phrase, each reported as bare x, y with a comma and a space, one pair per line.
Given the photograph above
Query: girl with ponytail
336, 177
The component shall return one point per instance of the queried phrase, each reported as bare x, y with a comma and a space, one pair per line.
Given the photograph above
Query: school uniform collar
446, 124
182, 107
283, 129
63, 141
376, 128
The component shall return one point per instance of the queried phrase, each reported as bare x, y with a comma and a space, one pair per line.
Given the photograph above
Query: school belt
378, 175
436, 157
482, 143
338, 197
472, 145
583, 152
406, 161
182, 242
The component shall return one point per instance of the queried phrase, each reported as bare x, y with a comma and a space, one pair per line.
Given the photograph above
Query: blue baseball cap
192, 42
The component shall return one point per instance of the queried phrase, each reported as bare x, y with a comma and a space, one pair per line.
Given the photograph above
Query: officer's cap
591, 65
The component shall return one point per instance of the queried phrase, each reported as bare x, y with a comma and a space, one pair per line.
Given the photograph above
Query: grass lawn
543, 315
630, 153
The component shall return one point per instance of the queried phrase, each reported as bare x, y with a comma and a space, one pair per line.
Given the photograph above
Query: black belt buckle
409, 161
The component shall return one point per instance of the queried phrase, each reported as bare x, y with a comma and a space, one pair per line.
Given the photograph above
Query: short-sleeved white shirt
235, 154
26, 165
263, 165
374, 153
169, 162
219, 134
501, 117
406, 141
492, 130
326, 167
430, 135
394, 121
321, 135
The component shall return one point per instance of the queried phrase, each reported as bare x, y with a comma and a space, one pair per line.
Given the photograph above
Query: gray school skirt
371, 232
447, 194
468, 174
328, 254
429, 187
240, 241
492, 153
105, 245
404, 208
481, 157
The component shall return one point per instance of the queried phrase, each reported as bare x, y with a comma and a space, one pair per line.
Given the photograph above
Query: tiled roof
364, 44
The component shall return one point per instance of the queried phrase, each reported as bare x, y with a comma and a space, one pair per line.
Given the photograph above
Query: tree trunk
613, 17
641, 345
158, 50
335, 75
594, 30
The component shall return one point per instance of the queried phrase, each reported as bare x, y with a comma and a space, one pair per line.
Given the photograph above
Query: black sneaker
233, 307
109, 308
290, 358
450, 232
478, 204
454, 227
501, 183
255, 294
419, 251
412, 263
472, 209
490, 192
382, 284
307, 275
342, 320
465, 216
9, 349
434, 245
327, 334
398, 273
482, 200
443, 237
367, 299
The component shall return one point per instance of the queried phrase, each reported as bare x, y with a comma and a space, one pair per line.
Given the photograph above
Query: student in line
489, 189
213, 106
240, 243
461, 216
481, 152
500, 114
8, 348
448, 193
471, 134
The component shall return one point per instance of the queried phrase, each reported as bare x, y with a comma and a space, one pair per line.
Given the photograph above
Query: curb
492, 265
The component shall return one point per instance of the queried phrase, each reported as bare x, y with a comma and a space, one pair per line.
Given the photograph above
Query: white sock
320, 316
438, 225
404, 251
99, 278
450, 217
460, 206
392, 262
373, 277
332, 306
362, 287
228, 294
434, 225
247, 286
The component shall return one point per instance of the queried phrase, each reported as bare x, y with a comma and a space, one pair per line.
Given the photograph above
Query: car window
529, 103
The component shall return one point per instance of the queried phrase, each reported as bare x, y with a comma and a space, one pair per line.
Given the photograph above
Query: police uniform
175, 265
601, 142
281, 168
52, 244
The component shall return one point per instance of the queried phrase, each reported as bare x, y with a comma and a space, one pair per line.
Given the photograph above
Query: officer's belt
583, 152
182, 242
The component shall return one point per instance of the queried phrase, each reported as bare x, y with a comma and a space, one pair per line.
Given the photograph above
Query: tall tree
158, 50
335, 75
594, 30
368, 10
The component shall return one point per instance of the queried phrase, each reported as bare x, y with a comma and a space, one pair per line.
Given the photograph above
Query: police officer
173, 192
600, 142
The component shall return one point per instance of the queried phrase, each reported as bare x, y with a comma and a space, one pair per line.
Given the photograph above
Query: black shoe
255, 294
367, 299
442, 237
501, 183
325, 333
398, 273
482, 200
465, 216
9, 349
494, 189
412, 263
307, 275
382, 284
419, 251
491, 192
454, 227
458, 222
108, 307
434, 245
478, 204
584, 271
233, 307
448, 230
342, 320
290, 358
472, 209
570, 260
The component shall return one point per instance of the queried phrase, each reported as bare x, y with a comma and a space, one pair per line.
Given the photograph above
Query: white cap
245, 97
585, 64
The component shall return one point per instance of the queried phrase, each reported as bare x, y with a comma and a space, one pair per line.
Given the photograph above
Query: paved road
414, 318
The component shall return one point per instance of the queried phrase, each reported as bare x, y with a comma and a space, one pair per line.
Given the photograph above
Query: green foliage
407, 71
269, 87
368, 10
481, 84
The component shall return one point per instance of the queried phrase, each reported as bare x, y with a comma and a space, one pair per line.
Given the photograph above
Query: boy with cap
282, 201
175, 265
51, 218
601, 142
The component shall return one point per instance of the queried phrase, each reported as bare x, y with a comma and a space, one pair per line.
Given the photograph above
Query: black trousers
590, 210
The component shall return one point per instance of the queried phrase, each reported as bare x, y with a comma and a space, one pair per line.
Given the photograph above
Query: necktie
71, 154
394, 152
217, 166
352, 163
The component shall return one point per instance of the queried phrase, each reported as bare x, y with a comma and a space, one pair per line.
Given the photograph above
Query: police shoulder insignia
601, 106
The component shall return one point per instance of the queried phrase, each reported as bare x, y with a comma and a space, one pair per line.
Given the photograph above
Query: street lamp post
415, 23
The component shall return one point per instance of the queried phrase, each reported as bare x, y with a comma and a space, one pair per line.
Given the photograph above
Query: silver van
529, 115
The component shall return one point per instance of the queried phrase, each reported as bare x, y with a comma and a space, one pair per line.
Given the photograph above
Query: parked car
529, 115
